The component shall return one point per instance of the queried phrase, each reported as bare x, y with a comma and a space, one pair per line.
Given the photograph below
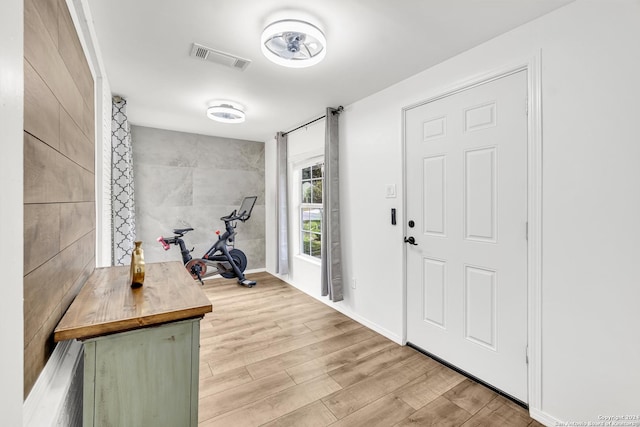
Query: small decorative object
137, 266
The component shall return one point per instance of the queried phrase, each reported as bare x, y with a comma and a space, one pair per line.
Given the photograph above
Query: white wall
591, 202
103, 172
83, 21
11, 226
303, 145
304, 273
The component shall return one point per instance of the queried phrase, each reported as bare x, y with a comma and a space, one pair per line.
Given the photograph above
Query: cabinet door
143, 378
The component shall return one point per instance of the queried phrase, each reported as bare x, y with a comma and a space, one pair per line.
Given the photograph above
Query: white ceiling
371, 44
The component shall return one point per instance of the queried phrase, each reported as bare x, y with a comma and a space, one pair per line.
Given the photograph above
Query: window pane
305, 219
307, 244
306, 192
316, 245
317, 191
310, 217
306, 173
315, 220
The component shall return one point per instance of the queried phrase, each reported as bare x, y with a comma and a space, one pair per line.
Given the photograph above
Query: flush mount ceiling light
226, 112
293, 43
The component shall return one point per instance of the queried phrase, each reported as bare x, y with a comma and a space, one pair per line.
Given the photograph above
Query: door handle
410, 240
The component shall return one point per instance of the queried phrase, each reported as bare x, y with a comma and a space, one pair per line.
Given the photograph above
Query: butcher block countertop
107, 304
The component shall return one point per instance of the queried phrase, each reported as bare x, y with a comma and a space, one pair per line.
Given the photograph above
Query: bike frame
221, 246
219, 251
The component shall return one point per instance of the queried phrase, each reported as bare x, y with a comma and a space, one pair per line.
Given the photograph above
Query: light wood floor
274, 356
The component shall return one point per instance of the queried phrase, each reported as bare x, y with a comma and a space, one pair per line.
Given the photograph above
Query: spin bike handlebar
242, 216
164, 243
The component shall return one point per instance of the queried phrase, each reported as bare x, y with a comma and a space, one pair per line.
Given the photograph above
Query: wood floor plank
313, 415
429, 386
269, 301
247, 299
349, 400
500, 412
360, 369
348, 325
216, 383
204, 370
310, 352
326, 321
221, 364
384, 412
470, 396
320, 365
215, 326
265, 340
221, 287
277, 405
310, 316
228, 400
441, 412
273, 356
238, 336
221, 321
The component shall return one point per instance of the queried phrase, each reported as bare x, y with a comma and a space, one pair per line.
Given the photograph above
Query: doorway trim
531, 64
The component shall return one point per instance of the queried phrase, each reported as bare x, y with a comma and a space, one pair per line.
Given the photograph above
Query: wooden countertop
106, 303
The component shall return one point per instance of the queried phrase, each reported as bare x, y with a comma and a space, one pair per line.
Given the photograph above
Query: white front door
466, 174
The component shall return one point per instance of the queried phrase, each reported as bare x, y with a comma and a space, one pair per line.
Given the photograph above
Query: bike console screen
244, 211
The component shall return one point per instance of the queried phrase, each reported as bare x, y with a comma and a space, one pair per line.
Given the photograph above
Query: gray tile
189, 180
163, 185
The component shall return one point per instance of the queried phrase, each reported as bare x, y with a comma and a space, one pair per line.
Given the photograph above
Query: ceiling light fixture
293, 43
226, 112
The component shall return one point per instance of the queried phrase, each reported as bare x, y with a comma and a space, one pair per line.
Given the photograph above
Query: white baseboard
544, 418
339, 307
371, 325
48, 402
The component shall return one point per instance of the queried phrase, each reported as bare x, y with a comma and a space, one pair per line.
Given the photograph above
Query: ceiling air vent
222, 58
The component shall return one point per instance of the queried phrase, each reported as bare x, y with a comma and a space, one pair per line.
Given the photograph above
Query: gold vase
137, 266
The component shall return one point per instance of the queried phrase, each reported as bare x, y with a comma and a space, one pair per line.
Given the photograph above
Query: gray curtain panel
282, 264
331, 248
122, 195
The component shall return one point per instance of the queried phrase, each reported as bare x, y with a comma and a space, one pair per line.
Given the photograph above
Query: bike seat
181, 230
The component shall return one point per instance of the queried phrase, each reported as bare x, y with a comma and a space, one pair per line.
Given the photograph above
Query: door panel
434, 291
466, 157
434, 191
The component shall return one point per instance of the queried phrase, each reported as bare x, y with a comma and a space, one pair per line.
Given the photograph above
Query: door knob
410, 240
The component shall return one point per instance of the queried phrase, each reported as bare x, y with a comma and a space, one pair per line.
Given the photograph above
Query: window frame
302, 206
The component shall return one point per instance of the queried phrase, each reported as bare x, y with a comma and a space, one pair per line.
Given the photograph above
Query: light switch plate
391, 191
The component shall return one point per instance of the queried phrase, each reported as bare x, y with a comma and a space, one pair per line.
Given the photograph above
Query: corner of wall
11, 209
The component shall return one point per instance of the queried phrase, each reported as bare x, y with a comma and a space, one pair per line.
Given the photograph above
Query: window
311, 210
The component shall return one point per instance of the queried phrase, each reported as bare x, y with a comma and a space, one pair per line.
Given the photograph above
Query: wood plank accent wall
59, 175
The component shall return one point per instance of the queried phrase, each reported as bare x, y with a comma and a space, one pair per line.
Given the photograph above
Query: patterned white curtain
122, 200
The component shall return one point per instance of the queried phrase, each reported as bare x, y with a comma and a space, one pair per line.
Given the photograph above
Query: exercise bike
220, 258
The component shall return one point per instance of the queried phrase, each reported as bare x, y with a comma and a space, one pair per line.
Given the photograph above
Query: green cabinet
145, 377
141, 346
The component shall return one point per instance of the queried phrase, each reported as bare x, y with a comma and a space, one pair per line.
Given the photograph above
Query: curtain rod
304, 125
336, 111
